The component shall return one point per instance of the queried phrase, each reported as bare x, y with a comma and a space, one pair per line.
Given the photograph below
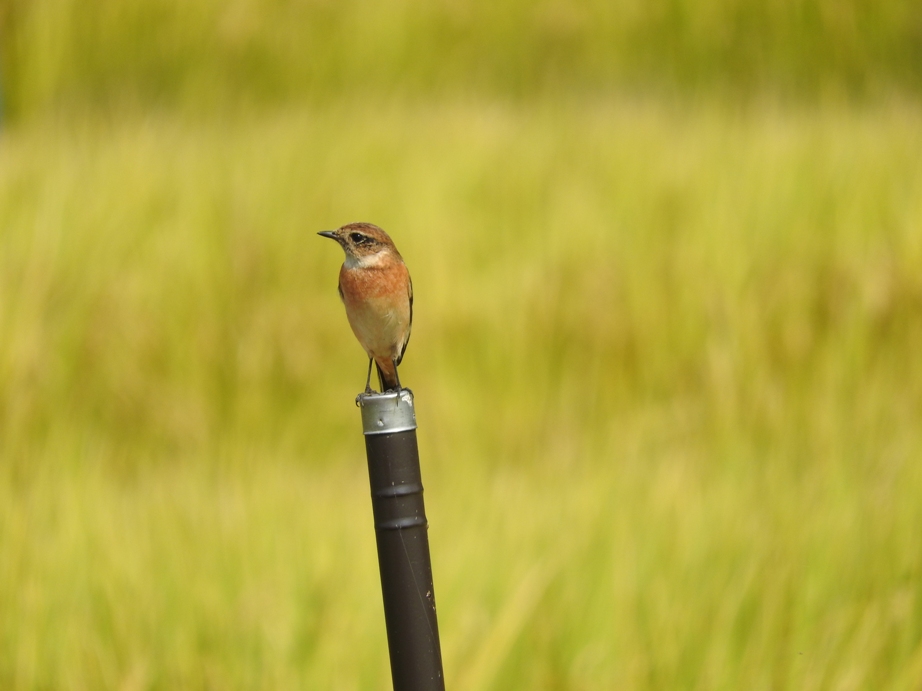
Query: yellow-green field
667, 351
668, 377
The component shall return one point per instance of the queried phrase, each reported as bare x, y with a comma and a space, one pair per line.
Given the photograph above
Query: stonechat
375, 287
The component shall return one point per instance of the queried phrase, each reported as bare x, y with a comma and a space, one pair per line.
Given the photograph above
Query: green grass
667, 376
214, 55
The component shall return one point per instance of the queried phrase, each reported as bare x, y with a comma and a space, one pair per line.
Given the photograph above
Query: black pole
389, 424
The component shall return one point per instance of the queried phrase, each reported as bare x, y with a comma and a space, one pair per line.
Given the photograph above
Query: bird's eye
358, 238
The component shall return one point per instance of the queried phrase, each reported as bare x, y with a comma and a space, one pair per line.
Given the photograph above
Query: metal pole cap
387, 413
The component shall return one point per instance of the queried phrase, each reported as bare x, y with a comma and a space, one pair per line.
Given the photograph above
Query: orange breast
377, 304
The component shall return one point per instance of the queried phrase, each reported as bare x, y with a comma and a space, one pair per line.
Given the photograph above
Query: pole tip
387, 413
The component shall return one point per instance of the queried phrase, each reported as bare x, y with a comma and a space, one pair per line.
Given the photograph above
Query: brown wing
410, 325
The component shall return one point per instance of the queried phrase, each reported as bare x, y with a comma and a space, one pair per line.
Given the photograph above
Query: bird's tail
387, 375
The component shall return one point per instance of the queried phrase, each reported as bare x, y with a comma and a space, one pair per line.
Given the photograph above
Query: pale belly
380, 324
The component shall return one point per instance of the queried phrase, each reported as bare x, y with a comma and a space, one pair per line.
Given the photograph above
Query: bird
375, 287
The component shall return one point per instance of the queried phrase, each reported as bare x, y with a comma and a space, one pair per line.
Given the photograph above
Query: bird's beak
328, 234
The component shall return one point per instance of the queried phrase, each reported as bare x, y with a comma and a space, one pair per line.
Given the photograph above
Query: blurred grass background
668, 268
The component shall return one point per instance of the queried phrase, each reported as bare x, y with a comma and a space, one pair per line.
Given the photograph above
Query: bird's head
365, 244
